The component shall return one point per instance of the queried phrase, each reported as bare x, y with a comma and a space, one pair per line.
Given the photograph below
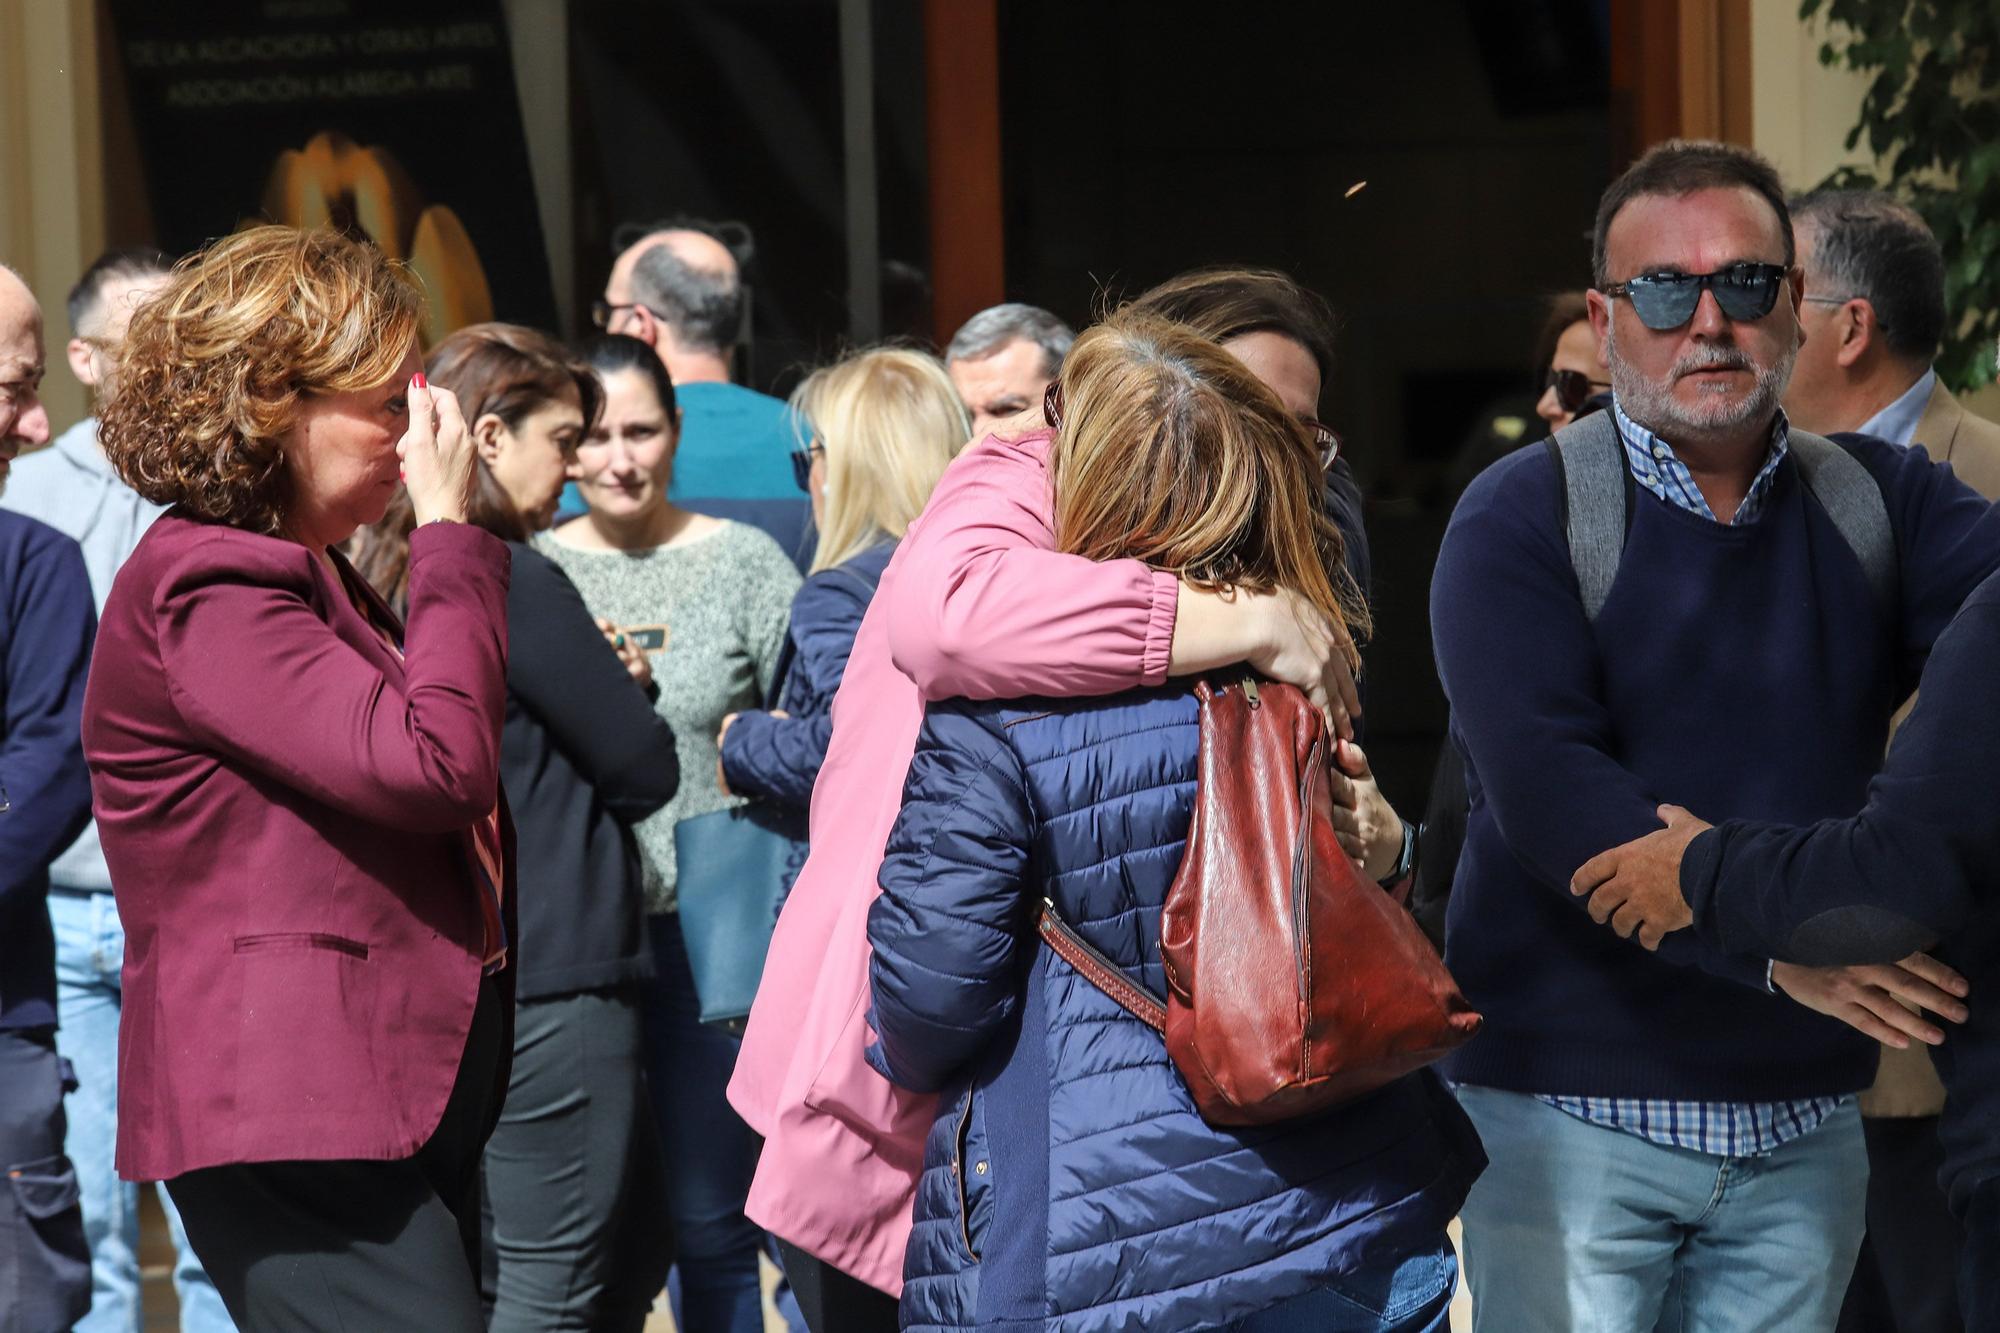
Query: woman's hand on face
437, 455
637, 664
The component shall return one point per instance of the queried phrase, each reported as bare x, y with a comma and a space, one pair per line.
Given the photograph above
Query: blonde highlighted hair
215, 368
890, 422
1171, 452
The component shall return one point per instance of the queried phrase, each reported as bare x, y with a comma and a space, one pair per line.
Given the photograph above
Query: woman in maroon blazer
299, 798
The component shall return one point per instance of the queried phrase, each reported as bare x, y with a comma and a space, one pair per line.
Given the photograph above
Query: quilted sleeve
949, 926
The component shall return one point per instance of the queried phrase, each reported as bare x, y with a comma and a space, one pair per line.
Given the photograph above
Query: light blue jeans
90, 951
1413, 1296
1581, 1227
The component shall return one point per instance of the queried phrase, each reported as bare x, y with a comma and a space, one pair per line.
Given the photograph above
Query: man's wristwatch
1406, 861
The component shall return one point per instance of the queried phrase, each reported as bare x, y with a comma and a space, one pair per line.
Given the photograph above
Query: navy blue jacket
1743, 671
1920, 863
47, 622
1068, 1181
779, 758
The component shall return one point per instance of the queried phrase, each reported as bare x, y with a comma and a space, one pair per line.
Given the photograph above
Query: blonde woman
1067, 1180
883, 426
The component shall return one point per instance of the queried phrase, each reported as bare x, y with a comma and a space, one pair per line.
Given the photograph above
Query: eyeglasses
802, 464
602, 312
1573, 388
12, 392
1324, 437
1665, 301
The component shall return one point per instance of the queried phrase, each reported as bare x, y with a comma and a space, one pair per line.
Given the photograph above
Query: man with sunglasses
1725, 623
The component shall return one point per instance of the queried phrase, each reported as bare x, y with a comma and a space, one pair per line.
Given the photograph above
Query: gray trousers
574, 1186
44, 1262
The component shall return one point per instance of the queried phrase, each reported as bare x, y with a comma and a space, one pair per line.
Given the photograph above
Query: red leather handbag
1293, 984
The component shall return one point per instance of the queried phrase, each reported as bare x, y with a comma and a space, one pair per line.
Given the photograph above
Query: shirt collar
1656, 466
1897, 423
79, 445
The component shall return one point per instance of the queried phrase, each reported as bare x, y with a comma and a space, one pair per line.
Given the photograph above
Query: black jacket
583, 757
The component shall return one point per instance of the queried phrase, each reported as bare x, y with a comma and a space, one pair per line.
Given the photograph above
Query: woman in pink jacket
978, 603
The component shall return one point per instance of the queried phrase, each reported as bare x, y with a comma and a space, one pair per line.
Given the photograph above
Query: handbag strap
1098, 970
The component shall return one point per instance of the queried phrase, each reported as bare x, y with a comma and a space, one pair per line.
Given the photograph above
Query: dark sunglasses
1324, 437
1665, 301
802, 464
1573, 388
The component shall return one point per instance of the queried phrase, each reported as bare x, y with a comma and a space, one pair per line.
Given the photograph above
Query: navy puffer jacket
1067, 1181
779, 758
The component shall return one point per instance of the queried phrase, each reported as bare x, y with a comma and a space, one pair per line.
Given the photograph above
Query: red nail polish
420, 382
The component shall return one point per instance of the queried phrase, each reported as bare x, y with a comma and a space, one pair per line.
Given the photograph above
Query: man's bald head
687, 281
24, 423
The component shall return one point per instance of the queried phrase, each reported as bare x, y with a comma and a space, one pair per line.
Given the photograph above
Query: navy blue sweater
1738, 671
47, 621
1919, 864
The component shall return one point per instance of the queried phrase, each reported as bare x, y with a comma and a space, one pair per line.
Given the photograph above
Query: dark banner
381, 117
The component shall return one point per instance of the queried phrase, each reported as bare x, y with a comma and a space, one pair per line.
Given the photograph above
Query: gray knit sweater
726, 600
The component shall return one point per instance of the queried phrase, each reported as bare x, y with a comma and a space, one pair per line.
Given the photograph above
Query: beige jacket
1907, 1085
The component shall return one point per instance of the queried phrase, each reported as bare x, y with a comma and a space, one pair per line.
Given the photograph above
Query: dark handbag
1293, 984
735, 868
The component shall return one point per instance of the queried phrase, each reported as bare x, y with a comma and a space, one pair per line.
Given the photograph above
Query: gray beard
1652, 404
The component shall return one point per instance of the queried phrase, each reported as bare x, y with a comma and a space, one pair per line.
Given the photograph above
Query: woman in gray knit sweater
709, 601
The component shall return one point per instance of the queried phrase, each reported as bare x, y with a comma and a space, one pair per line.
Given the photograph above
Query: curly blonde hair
214, 369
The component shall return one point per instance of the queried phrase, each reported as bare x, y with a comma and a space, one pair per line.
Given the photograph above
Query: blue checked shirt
1725, 1129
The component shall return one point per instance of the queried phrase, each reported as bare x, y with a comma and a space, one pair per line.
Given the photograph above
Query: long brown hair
501, 370
1170, 451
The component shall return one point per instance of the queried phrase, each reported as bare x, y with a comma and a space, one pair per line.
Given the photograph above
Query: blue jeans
710, 1153
1582, 1227
90, 951
1413, 1296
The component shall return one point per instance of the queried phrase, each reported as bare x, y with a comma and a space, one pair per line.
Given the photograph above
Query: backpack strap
1099, 970
1851, 497
1589, 460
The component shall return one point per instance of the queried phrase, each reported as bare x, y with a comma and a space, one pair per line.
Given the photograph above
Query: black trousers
832, 1301
392, 1247
44, 1261
1905, 1277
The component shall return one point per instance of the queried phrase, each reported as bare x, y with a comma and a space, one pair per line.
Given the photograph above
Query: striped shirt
1724, 1129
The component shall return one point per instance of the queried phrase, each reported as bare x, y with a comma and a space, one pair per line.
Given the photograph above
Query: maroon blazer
283, 804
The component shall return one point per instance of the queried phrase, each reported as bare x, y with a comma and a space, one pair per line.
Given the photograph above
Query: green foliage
1932, 115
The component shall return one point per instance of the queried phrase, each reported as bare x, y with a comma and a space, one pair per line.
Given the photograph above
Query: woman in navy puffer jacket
885, 423
1068, 1182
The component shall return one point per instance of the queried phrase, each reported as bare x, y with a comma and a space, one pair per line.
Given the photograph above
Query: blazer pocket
299, 940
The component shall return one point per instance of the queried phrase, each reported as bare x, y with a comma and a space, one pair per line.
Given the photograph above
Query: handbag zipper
1301, 875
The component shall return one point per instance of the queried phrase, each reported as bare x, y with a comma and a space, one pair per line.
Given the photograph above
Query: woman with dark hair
1566, 357
572, 1173
979, 603
299, 796
706, 603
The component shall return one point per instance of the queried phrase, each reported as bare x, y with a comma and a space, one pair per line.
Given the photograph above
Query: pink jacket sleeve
980, 605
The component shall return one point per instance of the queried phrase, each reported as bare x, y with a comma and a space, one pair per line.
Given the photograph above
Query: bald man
46, 627
679, 290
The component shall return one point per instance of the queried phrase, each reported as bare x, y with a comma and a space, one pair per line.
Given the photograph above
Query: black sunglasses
1573, 388
802, 464
1324, 437
1665, 301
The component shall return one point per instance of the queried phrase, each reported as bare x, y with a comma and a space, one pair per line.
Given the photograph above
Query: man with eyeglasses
678, 287
1684, 600
1874, 316
46, 627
